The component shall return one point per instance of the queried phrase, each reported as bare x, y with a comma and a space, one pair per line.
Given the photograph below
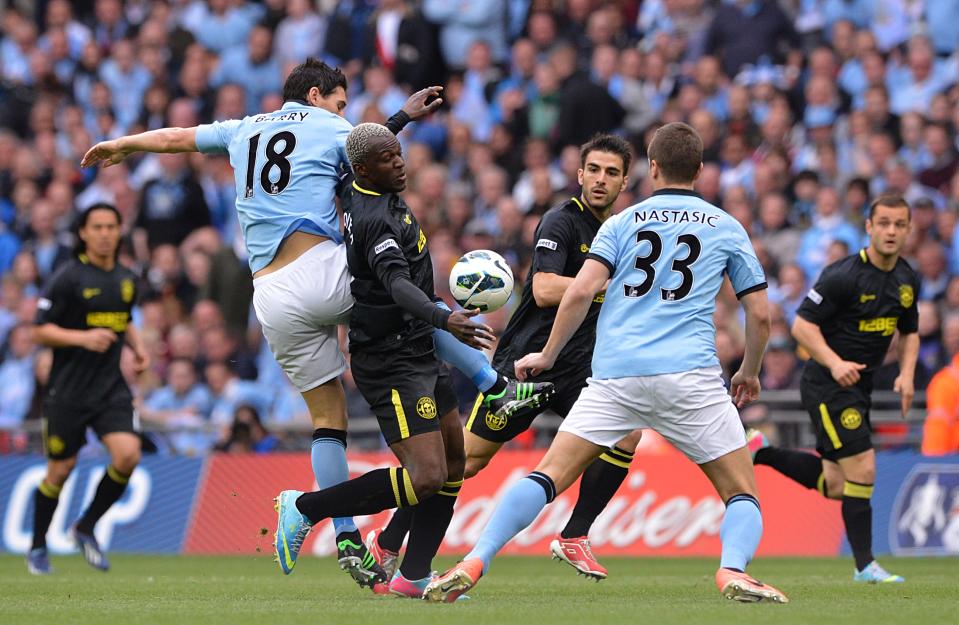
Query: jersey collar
672, 191
294, 103
365, 191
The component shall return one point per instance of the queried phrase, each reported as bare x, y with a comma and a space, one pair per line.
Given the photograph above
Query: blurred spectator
301, 34
780, 367
254, 68
173, 204
220, 24
16, 377
183, 403
44, 243
747, 31
228, 393
828, 225
941, 431
247, 434
463, 22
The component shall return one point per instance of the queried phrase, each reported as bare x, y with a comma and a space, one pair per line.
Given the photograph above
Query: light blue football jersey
667, 257
286, 165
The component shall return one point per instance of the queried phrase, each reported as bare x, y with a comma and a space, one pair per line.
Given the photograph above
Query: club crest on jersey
495, 422
126, 290
583, 248
906, 295
426, 407
850, 418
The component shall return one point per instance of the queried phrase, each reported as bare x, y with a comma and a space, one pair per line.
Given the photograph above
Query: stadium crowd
807, 110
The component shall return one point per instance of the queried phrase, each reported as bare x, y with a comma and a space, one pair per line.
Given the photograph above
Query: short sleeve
745, 272
215, 138
552, 244
909, 320
605, 246
826, 298
55, 300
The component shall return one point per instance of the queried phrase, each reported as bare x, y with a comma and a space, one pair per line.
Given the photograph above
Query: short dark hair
607, 143
312, 73
678, 150
889, 200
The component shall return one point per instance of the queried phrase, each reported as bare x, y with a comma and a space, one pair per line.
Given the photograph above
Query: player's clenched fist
846, 373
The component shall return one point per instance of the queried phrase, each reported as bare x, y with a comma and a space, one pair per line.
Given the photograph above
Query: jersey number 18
274, 159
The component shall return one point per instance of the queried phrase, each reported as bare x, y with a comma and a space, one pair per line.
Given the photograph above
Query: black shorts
840, 416
495, 429
65, 426
407, 388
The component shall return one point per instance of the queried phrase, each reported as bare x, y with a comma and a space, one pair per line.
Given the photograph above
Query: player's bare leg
735, 483
832, 480
327, 406
479, 452
600, 482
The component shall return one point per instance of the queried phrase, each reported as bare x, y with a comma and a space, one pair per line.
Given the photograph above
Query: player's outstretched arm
573, 308
745, 383
165, 140
810, 338
904, 384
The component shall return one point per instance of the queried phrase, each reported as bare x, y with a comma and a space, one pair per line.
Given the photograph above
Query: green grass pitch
159, 590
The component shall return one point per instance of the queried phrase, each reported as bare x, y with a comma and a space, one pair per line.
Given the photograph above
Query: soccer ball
481, 280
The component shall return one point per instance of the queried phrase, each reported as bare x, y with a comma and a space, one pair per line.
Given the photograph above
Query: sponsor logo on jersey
385, 245
407, 220
90, 293
866, 297
426, 407
850, 418
550, 245
116, 321
906, 295
884, 325
421, 242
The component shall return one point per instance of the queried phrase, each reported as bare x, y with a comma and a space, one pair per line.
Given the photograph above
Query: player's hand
98, 339
109, 152
473, 334
531, 365
745, 388
905, 387
846, 373
416, 106
141, 361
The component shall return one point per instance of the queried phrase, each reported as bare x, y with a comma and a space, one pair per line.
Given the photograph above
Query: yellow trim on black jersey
476, 408
862, 255
362, 190
582, 208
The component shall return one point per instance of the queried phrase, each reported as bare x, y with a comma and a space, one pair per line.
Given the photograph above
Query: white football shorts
299, 307
692, 410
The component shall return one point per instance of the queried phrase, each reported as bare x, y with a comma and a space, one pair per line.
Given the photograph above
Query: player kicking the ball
655, 362
562, 240
287, 165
